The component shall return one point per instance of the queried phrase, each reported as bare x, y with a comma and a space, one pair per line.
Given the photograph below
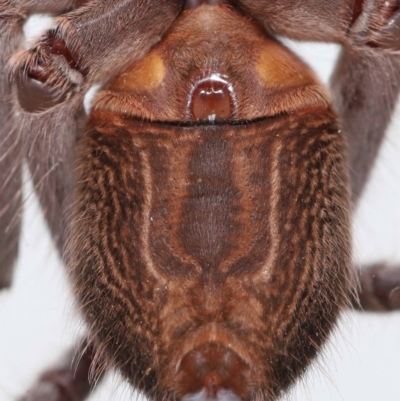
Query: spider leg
12, 140
44, 6
10, 148
88, 44
324, 20
366, 85
67, 382
379, 289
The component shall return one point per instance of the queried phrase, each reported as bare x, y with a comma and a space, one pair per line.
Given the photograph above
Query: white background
361, 363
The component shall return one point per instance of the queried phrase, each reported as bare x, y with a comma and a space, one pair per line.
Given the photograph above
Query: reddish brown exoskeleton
207, 198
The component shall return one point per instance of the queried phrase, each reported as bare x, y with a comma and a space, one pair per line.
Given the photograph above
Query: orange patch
146, 74
277, 67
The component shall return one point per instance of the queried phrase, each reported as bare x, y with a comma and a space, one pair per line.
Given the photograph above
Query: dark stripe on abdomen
208, 219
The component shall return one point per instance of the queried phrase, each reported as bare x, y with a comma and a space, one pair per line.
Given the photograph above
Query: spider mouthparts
213, 371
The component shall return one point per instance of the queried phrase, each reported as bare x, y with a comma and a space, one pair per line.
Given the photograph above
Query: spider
203, 208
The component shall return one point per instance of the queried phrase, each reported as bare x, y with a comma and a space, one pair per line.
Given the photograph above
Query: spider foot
379, 288
66, 383
48, 74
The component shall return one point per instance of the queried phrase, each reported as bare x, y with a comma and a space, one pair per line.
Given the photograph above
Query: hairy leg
325, 20
44, 6
366, 89
12, 138
10, 148
366, 86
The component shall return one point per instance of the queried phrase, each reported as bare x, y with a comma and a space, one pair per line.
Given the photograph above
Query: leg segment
12, 139
379, 289
350, 22
45, 6
365, 89
325, 20
10, 148
366, 84
68, 382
